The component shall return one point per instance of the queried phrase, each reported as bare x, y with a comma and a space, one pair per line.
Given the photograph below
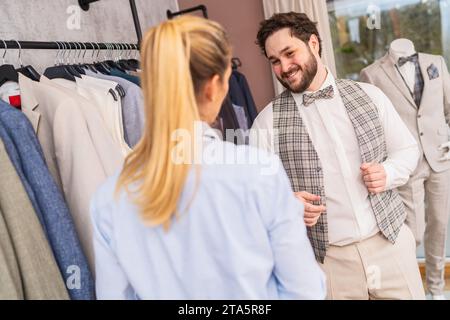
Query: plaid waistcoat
304, 169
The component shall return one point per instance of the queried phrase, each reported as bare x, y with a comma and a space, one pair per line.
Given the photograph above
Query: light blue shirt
242, 237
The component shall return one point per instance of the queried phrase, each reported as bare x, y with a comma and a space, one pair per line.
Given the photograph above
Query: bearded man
345, 150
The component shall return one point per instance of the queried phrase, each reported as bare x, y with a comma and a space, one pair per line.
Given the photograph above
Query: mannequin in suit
418, 85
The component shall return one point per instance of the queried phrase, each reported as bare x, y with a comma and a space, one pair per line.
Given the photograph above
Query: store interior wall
50, 20
241, 19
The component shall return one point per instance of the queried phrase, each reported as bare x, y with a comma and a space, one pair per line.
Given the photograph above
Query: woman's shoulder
240, 162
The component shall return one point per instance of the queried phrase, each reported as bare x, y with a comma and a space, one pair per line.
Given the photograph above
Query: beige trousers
426, 198
374, 269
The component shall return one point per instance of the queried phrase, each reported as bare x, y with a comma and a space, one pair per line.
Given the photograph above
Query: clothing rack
65, 45
84, 4
201, 7
70, 45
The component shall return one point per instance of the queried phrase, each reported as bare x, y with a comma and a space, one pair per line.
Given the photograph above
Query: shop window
362, 30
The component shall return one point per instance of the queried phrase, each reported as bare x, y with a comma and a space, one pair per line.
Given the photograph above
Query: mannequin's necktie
418, 78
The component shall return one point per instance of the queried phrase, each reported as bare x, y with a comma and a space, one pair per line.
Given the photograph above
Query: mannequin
405, 48
423, 111
401, 48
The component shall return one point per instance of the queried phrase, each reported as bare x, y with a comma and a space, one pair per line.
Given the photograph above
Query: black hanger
100, 66
7, 71
59, 71
111, 63
88, 66
72, 68
134, 63
27, 71
129, 64
124, 63
236, 63
114, 65
76, 66
30, 72
107, 62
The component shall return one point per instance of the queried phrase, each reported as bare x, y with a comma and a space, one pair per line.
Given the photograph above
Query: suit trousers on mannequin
374, 269
426, 198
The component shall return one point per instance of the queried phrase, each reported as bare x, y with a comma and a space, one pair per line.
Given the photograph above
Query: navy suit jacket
241, 95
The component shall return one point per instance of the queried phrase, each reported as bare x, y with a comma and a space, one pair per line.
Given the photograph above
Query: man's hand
374, 177
312, 212
446, 148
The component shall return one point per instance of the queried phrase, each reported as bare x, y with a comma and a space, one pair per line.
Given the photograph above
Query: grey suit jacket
28, 269
428, 123
132, 107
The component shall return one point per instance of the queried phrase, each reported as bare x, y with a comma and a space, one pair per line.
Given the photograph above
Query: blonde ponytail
178, 56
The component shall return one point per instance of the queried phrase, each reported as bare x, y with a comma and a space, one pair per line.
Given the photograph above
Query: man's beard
308, 72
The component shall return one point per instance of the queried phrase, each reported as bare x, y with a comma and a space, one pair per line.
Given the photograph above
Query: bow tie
326, 93
412, 58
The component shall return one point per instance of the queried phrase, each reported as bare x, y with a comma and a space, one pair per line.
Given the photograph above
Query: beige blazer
428, 123
42, 127
98, 90
83, 151
28, 269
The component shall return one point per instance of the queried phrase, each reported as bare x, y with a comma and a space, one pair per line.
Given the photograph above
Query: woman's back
242, 236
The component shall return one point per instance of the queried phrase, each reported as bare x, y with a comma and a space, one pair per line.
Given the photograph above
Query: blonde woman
170, 226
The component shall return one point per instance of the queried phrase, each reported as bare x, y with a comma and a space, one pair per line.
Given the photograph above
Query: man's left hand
374, 177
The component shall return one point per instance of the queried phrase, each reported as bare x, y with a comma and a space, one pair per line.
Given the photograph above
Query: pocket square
433, 72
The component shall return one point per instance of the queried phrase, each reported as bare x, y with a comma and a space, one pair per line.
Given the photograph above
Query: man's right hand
312, 212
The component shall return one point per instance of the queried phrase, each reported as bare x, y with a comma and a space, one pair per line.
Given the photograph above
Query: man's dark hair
299, 24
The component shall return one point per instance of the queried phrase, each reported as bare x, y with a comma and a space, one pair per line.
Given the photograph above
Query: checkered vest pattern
302, 164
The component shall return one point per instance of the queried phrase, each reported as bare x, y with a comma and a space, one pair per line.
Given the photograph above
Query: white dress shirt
350, 215
407, 71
